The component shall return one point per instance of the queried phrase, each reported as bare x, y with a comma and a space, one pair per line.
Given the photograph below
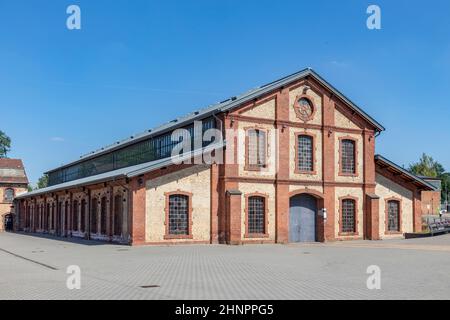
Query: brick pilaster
234, 198
137, 204
372, 217
371, 214
282, 190
328, 164
215, 188
417, 210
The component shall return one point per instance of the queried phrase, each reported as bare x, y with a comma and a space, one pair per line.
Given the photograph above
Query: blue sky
136, 64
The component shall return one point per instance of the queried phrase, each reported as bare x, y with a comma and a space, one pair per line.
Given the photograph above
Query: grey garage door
302, 218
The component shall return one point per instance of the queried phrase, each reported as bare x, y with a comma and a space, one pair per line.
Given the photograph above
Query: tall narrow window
94, 210
256, 149
66, 216
9, 195
348, 156
30, 217
47, 218
118, 214
305, 153
348, 216
43, 217
393, 215
103, 216
178, 215
27, 216
256, 215
53, 226
38, 217
83, 216
75, 212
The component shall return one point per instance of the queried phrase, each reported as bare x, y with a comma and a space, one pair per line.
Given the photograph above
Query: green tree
445, 187
428, 167
5, 144
42, 182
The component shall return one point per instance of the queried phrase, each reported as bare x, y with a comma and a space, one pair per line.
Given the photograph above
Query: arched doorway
8, 223
303, 218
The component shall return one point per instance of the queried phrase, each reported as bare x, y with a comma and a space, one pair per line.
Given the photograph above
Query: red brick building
295, 161
13, 181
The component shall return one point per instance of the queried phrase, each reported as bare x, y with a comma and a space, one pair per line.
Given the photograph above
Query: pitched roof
405, 174
12, 171
227, 105
128, 172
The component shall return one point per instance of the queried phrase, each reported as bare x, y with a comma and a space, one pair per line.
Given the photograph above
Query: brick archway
316, 194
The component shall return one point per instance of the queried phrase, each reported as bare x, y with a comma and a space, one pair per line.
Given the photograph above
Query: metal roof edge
70, 185
389, 162
129, 172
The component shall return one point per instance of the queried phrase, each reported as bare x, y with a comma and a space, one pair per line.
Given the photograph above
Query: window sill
258, 169
393, 232
174, 237
312, 173
256, 235
348, 234
348, 174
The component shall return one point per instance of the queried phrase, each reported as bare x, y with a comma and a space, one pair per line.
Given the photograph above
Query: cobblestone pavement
33, 267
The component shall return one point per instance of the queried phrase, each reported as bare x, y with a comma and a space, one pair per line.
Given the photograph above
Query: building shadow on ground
73, 240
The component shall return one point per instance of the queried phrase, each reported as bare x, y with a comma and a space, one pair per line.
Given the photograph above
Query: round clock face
304, 109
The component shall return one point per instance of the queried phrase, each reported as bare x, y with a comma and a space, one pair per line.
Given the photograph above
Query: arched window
348, 219
75, 212
9, 195
103, 216
305, 153
393, 215
348, 156
118, 215
256, 218
94, 210
178, 215
83, 216
256, 149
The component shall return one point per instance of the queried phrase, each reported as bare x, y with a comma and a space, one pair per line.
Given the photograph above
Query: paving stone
410, 269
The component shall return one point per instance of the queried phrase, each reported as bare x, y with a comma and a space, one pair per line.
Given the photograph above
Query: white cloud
57, 139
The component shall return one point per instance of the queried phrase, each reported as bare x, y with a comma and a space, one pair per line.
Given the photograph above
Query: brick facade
13, 182
431, 202
218, 194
